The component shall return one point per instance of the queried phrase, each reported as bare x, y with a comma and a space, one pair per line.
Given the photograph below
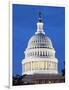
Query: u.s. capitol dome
39, 54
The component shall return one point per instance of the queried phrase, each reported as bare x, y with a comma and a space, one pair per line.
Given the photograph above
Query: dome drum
40, 53
36, 66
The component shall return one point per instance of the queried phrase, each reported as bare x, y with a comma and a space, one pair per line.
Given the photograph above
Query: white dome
39, 41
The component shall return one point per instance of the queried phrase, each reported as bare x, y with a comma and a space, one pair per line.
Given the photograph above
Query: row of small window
39, 66
40, 53
33, 47
44, 41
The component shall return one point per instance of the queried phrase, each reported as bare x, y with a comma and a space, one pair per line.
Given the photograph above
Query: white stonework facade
39, 54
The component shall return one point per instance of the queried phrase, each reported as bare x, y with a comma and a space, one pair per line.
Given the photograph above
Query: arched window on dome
43, 53
35, 47
32, 53
40, 53
46, 53
35, 53
36, 41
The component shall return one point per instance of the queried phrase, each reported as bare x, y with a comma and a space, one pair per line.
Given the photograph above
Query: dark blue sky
25, 18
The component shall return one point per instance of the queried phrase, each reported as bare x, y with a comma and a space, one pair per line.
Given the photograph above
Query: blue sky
25, 18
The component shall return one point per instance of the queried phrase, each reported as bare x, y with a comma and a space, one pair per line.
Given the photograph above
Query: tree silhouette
63, 70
